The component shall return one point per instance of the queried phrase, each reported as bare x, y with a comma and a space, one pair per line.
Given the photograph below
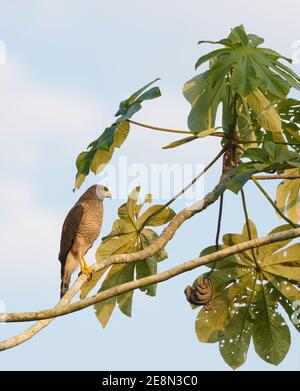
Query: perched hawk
80, 229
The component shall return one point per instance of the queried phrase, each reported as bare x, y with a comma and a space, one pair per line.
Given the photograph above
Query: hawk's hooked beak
109, 195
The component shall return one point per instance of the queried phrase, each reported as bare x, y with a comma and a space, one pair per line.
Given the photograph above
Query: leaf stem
266, 177
201, 173
171, 130
247, 223
294, 225
218, 230
263, 142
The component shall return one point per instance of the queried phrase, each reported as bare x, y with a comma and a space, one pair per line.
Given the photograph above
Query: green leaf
268, 158
155, 215
147, 267
117, 275
121, 133
130, 106
243, 79
125, 299
210, 323
104, 309
287, 196
286, 294
127, 211
117, 245
235, 341
100, 151
239, 176
83, 162
100, 160
267, 116
246, 298
194, 87
204, 108
106, 139
210, 56
182, 141
148, 237
150, 94
256, 40
119, 228
91, 283
127, 236
271, 335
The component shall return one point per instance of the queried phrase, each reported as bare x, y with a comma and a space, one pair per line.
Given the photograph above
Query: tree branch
156, 278
149, 251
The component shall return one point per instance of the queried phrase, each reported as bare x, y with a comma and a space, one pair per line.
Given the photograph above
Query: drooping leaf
130, 106
128, 234
248, 291
182, 141
267, 116
117, 275
205, 106
288, 195
271, 335
121, 133
100, 160
210, 323
100, 151
155, 215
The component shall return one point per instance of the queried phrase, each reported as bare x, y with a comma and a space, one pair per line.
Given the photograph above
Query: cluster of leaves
250, 291
258, 81
129, 233
250, 84
269, 158
100, 151
289, 110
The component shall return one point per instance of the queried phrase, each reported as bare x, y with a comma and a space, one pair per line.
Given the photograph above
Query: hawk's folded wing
69, 230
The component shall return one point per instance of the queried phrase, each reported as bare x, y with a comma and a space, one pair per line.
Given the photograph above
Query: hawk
80, 229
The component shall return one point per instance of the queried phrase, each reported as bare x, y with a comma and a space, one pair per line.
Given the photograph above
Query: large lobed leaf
250, 72
251, 290
128, 234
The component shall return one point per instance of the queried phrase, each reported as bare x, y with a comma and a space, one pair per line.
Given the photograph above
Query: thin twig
201, 173
164, 276
187, 187
247, 222
218, 230
274, 205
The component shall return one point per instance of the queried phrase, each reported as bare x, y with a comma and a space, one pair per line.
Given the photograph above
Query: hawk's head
103, 192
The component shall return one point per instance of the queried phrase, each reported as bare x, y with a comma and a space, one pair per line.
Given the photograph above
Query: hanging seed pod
201, 293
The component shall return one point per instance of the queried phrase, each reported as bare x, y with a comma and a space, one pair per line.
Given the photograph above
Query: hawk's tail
65, 280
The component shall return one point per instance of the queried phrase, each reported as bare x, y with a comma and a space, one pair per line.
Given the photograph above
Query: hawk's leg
84, 267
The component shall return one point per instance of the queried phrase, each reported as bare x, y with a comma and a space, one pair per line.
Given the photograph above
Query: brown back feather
69, 230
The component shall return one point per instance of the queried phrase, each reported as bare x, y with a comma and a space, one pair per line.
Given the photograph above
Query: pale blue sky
69, 63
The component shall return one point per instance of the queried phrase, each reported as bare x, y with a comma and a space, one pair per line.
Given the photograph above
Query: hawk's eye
105, 188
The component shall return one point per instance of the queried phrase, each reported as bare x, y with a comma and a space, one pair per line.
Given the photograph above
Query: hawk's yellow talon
85, 268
